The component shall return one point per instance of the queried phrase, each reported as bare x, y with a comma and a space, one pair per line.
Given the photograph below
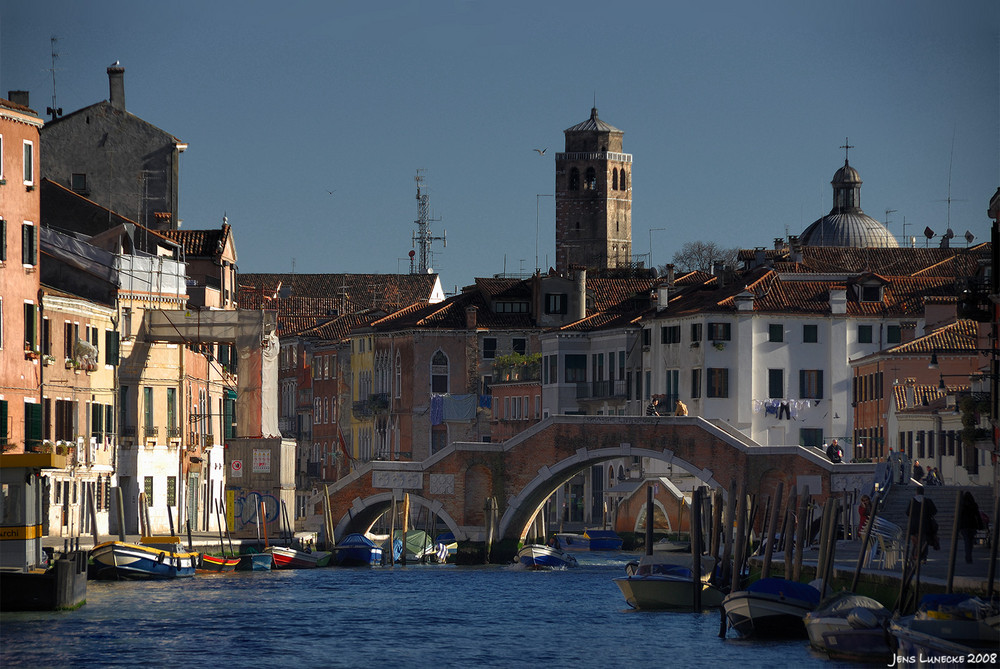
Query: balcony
362, 409
150, 430
314, 469
128, 430
173, 432
603, 155
379, 402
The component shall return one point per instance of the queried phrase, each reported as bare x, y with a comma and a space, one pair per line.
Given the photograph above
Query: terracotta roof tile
960, 336
201, 243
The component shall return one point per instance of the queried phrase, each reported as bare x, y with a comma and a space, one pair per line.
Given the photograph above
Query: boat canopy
787, 589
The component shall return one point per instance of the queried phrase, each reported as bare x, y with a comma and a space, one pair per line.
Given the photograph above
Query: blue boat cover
938, 601
356, 540
785, 588
600, 534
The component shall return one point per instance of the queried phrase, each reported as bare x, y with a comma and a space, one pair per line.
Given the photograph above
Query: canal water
414, 616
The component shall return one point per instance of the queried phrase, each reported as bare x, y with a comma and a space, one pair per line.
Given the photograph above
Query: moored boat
771, 607
152, 558
949, 626
357, 550
590, 540
290, 558
255, 562
215, 564
850, 627
536, 556
667, 582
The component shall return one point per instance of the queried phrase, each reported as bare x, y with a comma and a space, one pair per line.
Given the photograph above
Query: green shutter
4, 430
32, 424
110, 347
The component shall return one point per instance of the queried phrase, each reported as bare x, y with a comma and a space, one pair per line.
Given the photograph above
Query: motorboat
290, 558
154, 557
666, 581
255, 562
949, 626
537, 556
851, 627
771, 607
357, 550
590, 540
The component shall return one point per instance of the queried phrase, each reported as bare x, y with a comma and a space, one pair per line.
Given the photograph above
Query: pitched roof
352, 292
200, 243
960, 336
887, 261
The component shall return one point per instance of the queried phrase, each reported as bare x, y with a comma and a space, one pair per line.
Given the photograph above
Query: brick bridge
522, 472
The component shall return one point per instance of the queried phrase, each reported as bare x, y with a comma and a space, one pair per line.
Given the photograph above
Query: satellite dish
949, 234
928, 233
969, 237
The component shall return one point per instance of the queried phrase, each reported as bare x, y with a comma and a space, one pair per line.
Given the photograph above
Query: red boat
289, 558
216, 564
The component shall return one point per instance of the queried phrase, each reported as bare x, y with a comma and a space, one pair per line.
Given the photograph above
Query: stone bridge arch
523, 506
364, 512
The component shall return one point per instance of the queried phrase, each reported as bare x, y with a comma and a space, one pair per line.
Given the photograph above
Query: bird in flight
331, 192
541, 152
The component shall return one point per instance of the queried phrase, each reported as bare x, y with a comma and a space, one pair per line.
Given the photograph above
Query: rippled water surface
417, 616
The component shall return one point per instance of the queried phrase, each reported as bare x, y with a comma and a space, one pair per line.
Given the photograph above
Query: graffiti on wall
244, 508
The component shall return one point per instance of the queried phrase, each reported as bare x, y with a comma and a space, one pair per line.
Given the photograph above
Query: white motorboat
537, 556
666, 581
771, 607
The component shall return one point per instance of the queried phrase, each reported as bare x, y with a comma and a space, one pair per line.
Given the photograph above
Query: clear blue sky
733, 112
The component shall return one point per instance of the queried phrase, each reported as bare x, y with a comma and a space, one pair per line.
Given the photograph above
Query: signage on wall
236, 469
261, 461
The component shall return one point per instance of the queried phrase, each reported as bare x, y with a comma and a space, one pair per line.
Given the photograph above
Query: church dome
846, 224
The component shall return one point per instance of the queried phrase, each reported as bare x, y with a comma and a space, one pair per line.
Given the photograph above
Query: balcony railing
603, 155
314, 469
173, 432
150, 430
362, 409
128, 430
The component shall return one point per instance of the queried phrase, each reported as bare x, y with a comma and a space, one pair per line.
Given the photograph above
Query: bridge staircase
898, 499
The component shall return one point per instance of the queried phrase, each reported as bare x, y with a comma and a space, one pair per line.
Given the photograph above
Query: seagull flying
541, 152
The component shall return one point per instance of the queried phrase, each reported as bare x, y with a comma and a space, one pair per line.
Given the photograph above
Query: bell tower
593, 198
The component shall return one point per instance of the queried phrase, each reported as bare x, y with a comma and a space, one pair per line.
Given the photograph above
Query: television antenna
423, 238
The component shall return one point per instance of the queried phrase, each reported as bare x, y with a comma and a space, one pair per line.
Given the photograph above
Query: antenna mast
422, 238
54, 111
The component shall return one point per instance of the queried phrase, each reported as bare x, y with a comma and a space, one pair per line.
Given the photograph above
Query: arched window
614, 180
439, 373
574, 179
591, 183
399, 375
624, 182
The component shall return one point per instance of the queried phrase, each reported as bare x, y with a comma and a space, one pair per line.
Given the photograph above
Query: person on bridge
681, 409
918, 471
864, 511
922, 509
970, 521
654, 407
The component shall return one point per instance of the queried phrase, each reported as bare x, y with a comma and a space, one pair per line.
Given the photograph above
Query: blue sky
733, 112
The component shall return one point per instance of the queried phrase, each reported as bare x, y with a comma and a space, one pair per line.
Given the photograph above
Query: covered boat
950, 626
850, 627
290, 558
152, 558
536, 556
771, 607
666, 581
357, 550
418, 545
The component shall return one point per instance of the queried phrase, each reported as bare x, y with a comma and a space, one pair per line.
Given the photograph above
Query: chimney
18, 98
581, 292
471, 317
662, 296
907, 331
116, 79
911, 393
744, 301
670, 275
